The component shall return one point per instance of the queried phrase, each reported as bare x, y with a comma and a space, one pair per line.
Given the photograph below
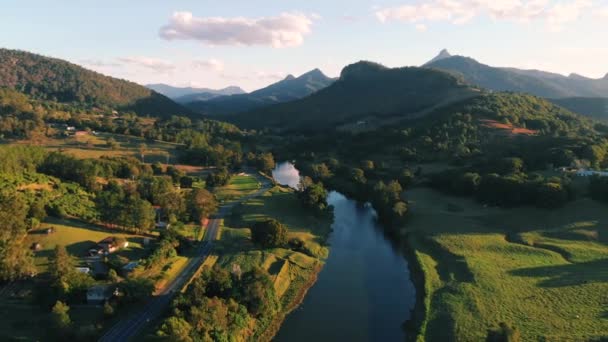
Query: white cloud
555, 15
284, 30
421, 27
602, 12
155, 64
211, 64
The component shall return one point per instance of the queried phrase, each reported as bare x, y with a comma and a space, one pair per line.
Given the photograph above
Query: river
364, 291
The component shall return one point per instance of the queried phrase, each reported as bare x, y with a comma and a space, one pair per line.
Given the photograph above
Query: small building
70, 128
36, 246
81, 133
98, 294
84, 270
50, 230
128, 268
112, 244
590, 173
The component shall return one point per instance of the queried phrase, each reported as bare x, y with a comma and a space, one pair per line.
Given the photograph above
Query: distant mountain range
289, 89
186, 93
366, 94
540, 83
53, 79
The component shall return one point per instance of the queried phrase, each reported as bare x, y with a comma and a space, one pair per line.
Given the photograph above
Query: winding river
364, 291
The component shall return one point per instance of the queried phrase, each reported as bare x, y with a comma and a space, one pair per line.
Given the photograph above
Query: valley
336, 188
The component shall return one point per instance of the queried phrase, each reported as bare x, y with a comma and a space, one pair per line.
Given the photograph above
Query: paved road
128, 328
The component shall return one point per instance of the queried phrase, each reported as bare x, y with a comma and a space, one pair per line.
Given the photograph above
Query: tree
314, 197
406, 178
399, 211
60, 316
200, 203
270, 233
142, 151
112, 144
16, 261
176, 329
358, 176
265, 162
257, 293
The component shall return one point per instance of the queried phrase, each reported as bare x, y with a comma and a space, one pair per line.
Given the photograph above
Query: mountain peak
289, 77
314, 73
361, 68
443, 54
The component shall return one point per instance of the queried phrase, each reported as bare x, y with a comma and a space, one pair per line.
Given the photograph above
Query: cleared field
96, 146
543, 272
282, 204
78, 238
239, 186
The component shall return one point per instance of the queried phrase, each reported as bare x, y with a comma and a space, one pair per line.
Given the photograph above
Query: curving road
130, 327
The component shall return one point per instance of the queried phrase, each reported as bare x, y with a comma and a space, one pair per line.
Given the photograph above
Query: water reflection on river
364, 292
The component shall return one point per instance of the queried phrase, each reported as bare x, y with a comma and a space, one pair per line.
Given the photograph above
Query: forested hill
53, 79
365, 94
289, 89
535, 82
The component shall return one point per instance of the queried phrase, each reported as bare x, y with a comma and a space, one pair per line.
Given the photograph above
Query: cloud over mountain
284, 30
553, 13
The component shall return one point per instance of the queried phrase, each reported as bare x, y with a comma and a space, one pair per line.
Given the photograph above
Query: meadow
542, 272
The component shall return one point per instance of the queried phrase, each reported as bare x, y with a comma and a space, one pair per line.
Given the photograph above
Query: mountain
595, 107
366, 94
53, 79
443, 54
178, 92
536, 82
289, 89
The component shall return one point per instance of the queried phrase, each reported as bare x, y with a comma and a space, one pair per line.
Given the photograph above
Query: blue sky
252, 43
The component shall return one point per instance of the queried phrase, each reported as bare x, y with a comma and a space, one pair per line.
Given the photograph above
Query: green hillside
53, 79
539, 83
366, 93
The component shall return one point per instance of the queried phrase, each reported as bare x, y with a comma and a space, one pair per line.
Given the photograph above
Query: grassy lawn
239, 186
78, 238
544, 272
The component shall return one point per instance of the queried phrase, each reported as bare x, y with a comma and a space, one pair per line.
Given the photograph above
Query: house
128, 268
81, 133
98, 294
111, 244
84, 270
36, 246
589, 173
70, 128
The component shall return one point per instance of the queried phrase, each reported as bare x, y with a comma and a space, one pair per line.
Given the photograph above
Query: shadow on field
595, 271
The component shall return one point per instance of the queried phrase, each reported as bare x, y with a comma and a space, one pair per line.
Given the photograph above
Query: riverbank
293, 273
301, 292
477, 267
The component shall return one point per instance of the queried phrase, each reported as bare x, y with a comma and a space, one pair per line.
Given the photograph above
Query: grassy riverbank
292, 272
542, 272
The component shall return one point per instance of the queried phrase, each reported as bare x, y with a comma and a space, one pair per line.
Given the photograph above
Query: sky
252, 43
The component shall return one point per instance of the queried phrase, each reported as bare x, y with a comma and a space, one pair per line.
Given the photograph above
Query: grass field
544, 272
281, 204
239, 186
78, 238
